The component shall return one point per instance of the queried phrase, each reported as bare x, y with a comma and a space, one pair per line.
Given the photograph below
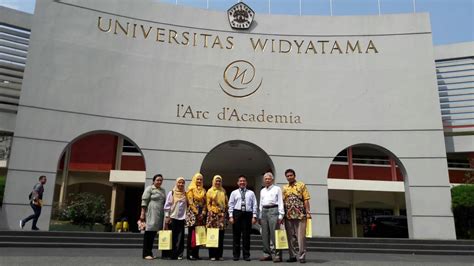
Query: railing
456, 93
13, 52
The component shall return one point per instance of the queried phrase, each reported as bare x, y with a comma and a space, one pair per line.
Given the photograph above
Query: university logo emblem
240, 16
240, 79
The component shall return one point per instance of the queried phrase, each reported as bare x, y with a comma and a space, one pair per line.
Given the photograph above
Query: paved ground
114, 257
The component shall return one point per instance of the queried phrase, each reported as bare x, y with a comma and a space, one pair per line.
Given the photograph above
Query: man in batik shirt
296, 201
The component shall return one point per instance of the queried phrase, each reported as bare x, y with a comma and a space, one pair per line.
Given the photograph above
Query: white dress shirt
270, 196
235, 202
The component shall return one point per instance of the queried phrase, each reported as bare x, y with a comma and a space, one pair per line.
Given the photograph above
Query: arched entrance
233, 158
366, 182
102, 163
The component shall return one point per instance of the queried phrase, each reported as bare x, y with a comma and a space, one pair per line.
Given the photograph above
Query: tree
463, 210
86, 209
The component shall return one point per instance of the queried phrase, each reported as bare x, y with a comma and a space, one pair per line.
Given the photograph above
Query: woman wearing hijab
216, 200
195, 214
175, 216
153, 200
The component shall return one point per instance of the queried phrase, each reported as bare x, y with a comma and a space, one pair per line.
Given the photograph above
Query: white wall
79, 79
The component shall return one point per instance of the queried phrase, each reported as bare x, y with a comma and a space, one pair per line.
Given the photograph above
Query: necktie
242, 204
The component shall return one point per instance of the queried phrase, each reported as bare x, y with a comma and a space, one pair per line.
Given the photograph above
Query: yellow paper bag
281, 242
309, 228
212, 239
164, 240
200, 232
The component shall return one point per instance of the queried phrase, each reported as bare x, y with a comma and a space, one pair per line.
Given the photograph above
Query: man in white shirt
271, 216
242, 214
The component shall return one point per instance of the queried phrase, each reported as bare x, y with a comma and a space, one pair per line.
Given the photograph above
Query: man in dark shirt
36, 202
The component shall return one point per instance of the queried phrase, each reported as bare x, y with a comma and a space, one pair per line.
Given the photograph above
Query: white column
118, 153
65, 176
330, 6
353, 216
113, 200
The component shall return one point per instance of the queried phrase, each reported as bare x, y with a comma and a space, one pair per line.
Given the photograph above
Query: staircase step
318, 244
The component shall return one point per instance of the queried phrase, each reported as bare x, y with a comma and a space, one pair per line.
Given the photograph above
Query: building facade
351, 103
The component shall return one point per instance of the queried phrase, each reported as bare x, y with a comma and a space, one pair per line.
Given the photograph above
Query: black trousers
148, 242
191, 251
241, 229
177, 233
34, 216
217, 252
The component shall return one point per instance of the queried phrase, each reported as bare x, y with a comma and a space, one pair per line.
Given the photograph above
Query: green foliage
463, 210
85, 209
462, 196
2, 188
59, 213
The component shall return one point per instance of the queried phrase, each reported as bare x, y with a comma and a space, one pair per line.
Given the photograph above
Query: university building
101, 96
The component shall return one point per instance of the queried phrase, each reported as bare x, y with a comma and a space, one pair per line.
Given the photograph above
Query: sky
452, 21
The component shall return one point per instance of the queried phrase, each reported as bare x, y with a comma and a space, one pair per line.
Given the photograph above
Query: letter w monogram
241, 75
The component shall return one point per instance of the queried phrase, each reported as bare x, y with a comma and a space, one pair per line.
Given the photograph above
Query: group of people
195, 206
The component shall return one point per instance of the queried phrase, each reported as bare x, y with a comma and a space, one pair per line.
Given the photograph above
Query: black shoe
291, 260
302, 261
191, 258
247, 259
235, 259
35, 229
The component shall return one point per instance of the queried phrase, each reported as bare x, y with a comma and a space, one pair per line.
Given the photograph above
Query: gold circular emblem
240, 79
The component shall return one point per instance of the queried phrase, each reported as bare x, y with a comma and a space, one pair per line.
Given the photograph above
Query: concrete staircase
134, 241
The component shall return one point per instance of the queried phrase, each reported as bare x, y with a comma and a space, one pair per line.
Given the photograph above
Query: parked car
387, 226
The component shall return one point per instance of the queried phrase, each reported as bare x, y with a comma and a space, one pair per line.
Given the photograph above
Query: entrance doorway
107, 165
234, 158
366, 184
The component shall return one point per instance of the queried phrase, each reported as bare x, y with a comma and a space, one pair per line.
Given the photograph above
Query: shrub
86, 209
463, 210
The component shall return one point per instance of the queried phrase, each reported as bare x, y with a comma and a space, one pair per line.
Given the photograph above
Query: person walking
296, 200
217, 201
153, 201
271, 217
36, 203
175, 217
196, 213
242, 214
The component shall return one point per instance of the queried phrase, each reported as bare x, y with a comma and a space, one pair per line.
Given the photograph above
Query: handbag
212, 239
281, 240
164, 240
309, 228
200, 234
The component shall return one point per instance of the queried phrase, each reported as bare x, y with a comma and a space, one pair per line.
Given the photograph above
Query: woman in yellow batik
196, 213
216, 200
